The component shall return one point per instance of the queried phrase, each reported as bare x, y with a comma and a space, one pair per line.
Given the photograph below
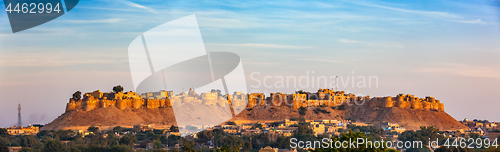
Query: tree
93, 129
302, 111
204, 136
216, 91
230, 123
112, 139
3, 131
474, 135
128, 139
77, 95
172, 140
121, 148
117, 129
348, 137
117, 89
452, 149
174, 129
52, 146
300, 92
283, 142
157, 144
275, 124
4, 148
28, 141
424, 134
258, 125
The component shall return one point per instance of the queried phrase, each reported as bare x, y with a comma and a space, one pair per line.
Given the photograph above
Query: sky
446, 49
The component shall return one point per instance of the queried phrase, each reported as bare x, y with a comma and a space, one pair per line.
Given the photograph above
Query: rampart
239, 100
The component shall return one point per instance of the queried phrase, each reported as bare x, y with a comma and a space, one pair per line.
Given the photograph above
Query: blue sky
446, 49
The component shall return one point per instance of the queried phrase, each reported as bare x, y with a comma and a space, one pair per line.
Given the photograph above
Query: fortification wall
90, 105
71, 105
388, 102
103, 103
91, 102
416, 104
156, 103
137, 103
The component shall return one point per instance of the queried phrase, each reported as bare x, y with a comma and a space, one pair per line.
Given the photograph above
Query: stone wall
324, 97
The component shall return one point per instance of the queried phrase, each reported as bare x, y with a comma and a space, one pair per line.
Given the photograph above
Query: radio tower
19, 124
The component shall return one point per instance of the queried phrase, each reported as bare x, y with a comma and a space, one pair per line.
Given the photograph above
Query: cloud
260, 45
320, 60
132, 4
54, 59
478, 21
387, 45
349, 41
461, 70
111, 20
418, 12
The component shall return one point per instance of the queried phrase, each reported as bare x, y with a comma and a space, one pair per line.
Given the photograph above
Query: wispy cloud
260, 45
387, 45
418, 12
54, 59
478, 21
132, 4
349, 41
111, 20
320, 60
461, 70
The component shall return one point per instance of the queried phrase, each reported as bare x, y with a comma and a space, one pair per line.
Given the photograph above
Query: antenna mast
19, 124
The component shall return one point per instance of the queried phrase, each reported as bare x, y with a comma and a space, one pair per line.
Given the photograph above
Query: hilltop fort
323, 97
164, 108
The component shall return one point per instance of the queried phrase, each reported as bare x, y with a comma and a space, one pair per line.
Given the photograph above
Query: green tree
113, 139
4, 148
28, 141
258, 125
283, 142
216, 91
347, 137
174, 128
25, 149
424, 134
474, 135
157, 145
118, 129
304, 133
73, 149
204, 136
52, 146
302, 111
117, 89
128, 139
187, 145
121, 148
77, 95
452, 149
93, 129
3, 131
172, 140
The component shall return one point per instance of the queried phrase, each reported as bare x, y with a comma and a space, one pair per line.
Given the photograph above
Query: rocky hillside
195, 113
408, 118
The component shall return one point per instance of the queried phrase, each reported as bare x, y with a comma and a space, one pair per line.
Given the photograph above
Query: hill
408, 118
194, 113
